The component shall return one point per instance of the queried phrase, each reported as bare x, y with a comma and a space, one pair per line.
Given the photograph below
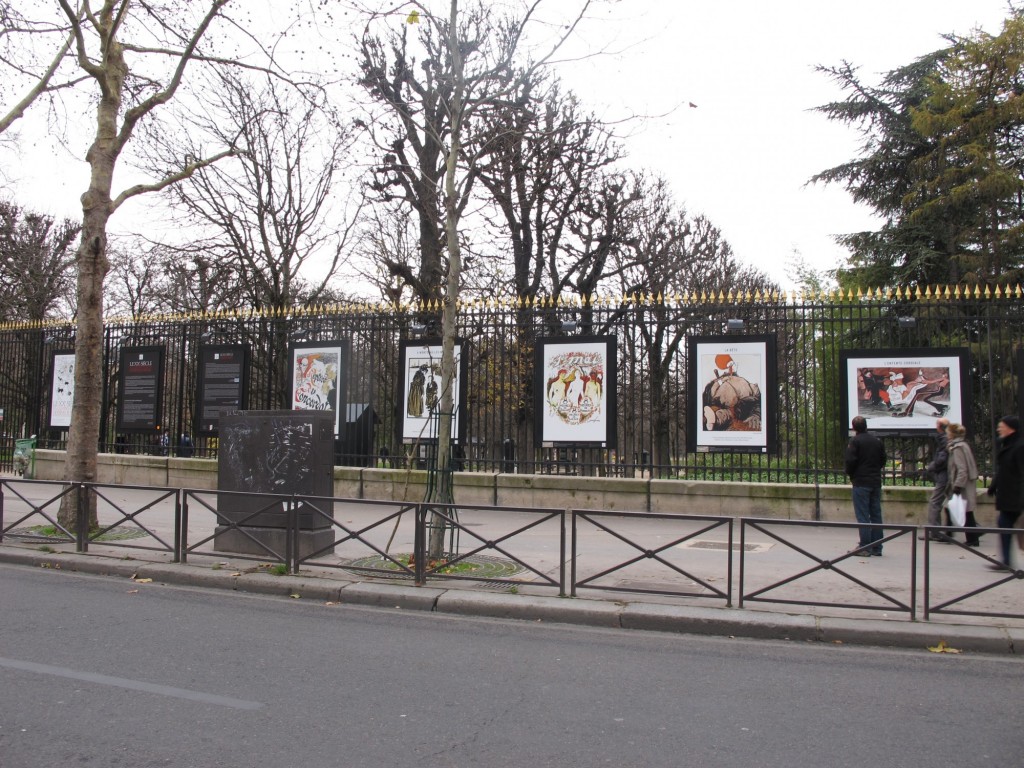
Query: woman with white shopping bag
962, 483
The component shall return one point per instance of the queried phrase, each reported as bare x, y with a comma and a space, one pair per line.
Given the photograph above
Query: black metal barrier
980, 582
323, 510
830, 563
128, 512
526, 546
602, 522
263, 551
453, 517
18, 497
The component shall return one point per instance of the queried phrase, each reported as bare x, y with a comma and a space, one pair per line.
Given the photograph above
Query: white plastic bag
957, 505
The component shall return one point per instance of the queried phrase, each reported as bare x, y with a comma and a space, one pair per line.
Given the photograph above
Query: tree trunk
451, 297
92, 265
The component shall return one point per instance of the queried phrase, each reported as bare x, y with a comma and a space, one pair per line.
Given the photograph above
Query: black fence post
82, 518
419, 547
291, 546
177, 524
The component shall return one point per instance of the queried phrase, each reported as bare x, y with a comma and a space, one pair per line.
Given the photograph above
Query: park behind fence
658, 407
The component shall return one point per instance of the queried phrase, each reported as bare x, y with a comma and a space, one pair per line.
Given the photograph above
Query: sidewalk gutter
697, 620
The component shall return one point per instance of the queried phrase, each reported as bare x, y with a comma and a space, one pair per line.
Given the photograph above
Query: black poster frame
210, 427
152, 355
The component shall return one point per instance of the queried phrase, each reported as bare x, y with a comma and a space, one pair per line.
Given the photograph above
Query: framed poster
904, 391
62, 388
141, 385
732, 404
575, 391
421, 392
317, 381
223, 384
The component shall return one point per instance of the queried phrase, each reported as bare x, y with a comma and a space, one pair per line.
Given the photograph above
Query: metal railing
647, 552
681, 556
954, 603
830, 563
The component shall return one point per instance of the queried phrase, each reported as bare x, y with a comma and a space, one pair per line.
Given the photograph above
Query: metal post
82, 519
177, 525
183, 530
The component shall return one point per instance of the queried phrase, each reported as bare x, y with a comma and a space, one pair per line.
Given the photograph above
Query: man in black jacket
1008, 484
865, 458
940, 475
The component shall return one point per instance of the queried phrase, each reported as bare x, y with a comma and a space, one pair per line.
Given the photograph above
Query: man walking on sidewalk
865, 457
938, 467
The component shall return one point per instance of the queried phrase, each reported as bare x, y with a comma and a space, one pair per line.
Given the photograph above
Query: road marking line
134, 685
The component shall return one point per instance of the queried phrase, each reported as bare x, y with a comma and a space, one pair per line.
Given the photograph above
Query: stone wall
769, 500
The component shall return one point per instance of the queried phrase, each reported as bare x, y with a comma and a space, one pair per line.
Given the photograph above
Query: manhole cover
723, 545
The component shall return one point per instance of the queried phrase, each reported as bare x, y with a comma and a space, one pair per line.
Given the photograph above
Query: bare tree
36, 264
131, 57
671, 254
272, 211
432, 110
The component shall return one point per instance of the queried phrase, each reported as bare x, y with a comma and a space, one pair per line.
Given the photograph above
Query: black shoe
973, 543
876, 554
859, 552
997, 567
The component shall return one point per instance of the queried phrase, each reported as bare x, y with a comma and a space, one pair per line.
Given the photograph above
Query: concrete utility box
280, 452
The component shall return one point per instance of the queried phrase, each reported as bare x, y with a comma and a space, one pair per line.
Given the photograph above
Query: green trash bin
25, 457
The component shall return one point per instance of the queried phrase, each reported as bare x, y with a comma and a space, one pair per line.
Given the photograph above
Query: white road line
134, 685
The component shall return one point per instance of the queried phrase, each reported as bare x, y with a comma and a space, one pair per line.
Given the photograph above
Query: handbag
957, 506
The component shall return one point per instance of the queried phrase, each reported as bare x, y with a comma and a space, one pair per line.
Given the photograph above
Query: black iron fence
658, 405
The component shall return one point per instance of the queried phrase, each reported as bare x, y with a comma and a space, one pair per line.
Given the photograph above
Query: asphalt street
99, 671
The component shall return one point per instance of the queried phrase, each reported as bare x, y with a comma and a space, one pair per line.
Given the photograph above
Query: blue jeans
1006, 520
867, 506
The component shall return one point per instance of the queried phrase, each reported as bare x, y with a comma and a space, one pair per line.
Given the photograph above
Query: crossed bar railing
685, 556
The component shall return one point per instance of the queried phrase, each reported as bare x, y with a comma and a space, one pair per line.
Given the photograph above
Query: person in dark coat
865, 458
1008, 484
938, 470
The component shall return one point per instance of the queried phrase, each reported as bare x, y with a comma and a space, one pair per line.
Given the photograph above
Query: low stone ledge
285, 586
390, 596
907, 634
530, 608
698, 620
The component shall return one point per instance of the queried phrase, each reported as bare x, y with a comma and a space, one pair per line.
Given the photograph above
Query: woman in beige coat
963, 476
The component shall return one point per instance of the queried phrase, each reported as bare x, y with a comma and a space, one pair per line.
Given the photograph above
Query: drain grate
723, 545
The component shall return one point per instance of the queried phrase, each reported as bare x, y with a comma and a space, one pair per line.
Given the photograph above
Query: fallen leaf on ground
237, 573
142, 581
133, 591
295, 595
942, 647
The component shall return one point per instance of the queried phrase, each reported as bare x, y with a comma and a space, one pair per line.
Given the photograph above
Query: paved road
103, 672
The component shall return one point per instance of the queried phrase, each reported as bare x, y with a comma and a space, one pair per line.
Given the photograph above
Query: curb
643, 616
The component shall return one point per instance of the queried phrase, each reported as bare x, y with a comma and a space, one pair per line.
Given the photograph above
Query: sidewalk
688, 557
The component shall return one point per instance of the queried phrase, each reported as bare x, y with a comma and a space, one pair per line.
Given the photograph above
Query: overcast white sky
743, 155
